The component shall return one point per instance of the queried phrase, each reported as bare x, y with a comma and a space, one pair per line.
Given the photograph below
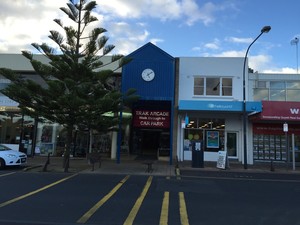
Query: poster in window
186, 145
212, 139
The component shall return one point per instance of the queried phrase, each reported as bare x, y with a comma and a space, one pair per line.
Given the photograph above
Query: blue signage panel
219, 106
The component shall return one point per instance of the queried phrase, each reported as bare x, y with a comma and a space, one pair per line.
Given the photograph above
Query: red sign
274, 128
286, 111
151, 118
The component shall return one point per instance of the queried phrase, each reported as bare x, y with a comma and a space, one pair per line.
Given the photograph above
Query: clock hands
148, 74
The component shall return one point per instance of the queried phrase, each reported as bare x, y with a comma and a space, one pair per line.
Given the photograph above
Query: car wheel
2, 163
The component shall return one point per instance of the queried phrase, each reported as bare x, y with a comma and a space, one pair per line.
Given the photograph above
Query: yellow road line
34, 192
138, 203
182, 210
6, 174
164, 210
89, 213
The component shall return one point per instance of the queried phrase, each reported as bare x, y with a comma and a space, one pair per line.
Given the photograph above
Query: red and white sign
275, 128
151, 118
285, 111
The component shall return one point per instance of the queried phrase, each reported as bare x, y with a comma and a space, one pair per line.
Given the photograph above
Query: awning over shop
227, 106
5, 101
284, 111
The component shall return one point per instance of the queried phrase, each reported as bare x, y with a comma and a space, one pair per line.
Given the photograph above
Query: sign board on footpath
222, 162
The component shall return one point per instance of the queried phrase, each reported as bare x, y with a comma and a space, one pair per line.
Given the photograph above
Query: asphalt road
65, 198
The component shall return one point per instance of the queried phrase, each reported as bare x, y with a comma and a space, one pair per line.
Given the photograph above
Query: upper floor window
213, 86
198, 86
277, 90
226, 86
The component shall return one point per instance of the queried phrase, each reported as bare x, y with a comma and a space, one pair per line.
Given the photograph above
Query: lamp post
265, 29
295, 42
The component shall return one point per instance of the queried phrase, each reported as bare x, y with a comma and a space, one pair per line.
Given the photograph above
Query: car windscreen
4, 148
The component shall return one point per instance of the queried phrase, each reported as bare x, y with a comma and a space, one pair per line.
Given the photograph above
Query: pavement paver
128, 165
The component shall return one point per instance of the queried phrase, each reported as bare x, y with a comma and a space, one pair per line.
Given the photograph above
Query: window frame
213, 88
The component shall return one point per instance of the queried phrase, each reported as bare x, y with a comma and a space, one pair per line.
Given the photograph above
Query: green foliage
76, 90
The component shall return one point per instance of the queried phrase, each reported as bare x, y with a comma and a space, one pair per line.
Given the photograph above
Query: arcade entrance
151, 129
149, 142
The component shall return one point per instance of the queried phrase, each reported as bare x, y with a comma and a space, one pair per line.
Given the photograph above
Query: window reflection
226, 86
277, 91
277, 85
260, 94
198, 86
293, 95
213, 86
293, 85
277, 95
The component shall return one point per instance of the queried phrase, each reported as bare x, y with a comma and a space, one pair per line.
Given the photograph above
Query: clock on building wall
148, 74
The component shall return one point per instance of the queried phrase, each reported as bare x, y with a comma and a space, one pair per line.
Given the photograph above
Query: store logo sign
220, 106
294, 111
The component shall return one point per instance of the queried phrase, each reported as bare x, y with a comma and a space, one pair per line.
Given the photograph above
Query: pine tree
76, 92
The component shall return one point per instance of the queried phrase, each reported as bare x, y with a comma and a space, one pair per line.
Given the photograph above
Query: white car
9, 157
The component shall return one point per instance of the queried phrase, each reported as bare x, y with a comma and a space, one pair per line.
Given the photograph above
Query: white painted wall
210, 67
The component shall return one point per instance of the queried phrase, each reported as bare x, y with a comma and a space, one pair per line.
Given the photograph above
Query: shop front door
231, 144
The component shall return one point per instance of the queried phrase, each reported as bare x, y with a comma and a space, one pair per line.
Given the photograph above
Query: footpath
129, 165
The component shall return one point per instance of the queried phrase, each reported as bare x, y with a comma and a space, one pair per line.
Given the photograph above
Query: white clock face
148, 74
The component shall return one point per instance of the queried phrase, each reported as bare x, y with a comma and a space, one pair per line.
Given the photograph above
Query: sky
182, 28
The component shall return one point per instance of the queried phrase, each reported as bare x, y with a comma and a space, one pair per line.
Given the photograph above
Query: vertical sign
285, 127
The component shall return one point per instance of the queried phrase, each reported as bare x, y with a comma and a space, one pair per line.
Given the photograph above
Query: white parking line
6, 174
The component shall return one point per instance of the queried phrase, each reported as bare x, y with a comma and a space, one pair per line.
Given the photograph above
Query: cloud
24, 22
127, 37
284, 70
239, 40
156, 40
214, 45
259, 62
128, 9
189, 11
231, 53
124, 19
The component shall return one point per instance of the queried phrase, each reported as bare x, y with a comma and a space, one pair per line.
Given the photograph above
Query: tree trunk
66, 160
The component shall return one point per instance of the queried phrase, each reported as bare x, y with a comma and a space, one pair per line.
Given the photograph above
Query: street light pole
265, 29
295, 42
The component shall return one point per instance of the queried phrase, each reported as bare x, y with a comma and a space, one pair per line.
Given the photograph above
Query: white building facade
210, 108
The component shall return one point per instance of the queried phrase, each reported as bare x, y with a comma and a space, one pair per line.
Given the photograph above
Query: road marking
182, 209
164, 210
138, 203
35, 192
89, 213
7, 174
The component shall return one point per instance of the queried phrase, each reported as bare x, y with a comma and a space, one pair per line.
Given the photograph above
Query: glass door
231, 144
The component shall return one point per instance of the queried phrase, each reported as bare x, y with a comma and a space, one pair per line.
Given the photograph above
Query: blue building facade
151, 73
